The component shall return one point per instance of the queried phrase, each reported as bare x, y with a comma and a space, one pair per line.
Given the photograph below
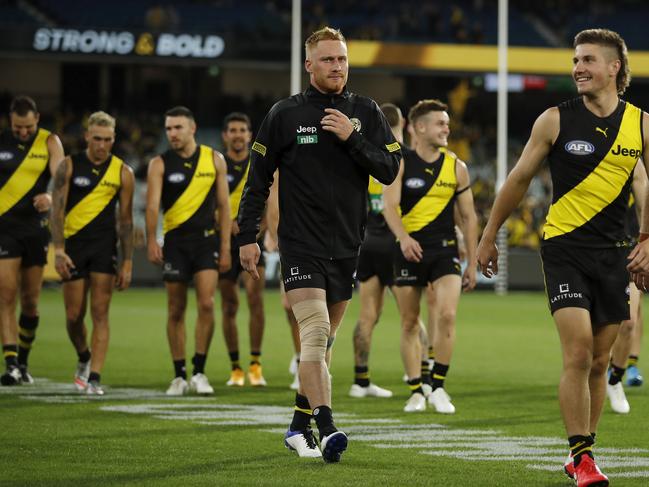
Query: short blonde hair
324, 34
101, 119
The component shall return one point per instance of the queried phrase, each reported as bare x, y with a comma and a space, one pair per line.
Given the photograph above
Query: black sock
431, 354
199, 363
234, 359
426, 377
26, 336
616, 374
362, 376
94, 377
592, 435
255, 358
179, 368
84, 356
11, 355
415, 385
439, 375
633, 360
325, 421
579, 446
301, 413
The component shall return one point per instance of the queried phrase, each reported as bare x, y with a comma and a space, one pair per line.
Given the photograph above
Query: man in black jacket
326, 142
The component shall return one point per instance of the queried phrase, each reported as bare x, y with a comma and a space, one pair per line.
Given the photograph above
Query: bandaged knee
312, 317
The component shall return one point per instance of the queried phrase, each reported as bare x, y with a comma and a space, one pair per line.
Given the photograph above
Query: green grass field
503, 380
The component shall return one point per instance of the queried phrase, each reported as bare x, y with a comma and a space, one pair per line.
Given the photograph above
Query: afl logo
176, 177
415, 183
6, 156
230, 178
579, 148
81, 181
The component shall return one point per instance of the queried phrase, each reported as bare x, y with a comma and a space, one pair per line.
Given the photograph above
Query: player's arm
271, 241
468, 223
123, 279
639, 256
411, 249
154, 177
223, 211
62, 262
544, 133
43, 201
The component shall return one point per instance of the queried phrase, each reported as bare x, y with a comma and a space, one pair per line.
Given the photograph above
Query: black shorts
592, 279
435, 263
185, 255
236, 269
91, 256
376, 258
336, 277
30, 247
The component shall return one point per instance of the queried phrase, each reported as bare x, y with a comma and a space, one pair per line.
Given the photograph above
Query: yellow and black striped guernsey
237, 176
92, 198
24, 173
189, 192
592, 164
428, 192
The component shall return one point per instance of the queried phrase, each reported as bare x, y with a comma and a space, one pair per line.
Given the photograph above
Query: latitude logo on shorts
565, 293
295, 271
564, 288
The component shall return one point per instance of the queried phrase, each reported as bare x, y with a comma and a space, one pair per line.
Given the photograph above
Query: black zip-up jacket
322, 180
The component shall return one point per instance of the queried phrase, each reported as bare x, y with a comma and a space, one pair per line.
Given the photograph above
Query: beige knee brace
312, 317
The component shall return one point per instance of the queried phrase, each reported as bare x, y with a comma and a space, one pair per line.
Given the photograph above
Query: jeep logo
579, 147
635, 153
309, 130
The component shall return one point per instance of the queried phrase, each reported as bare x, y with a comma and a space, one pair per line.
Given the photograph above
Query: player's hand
123, 278
270, 242
63, 264
639, 260
469, 278
225, 261
411, 249
154, 252
337, 122
488, 258
249, 255
42, 202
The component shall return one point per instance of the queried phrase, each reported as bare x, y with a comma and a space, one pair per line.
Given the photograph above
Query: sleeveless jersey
591, 164
189, 192
92, 198
24, 173
237, 176
428, 192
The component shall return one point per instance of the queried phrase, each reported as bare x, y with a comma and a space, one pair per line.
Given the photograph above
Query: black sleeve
376, 151
264, 158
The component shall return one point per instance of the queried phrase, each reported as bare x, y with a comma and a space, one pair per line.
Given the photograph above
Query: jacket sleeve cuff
246, 238
354, 140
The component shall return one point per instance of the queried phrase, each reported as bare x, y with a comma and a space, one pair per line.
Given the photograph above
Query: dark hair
180, 111
422, 107
21, 105
609, 38
236, 117
392, 114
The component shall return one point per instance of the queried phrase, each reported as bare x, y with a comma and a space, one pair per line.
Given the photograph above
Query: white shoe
441, 401
616, 395
427, 388
94, 388
200, 385
295, 385
11, 377
178, 387
292, 366
25, 375
416, 403
370, 391
81, 375
303, 443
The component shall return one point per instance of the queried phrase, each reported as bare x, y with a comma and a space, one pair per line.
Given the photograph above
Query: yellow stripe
433, 203
393, 147
27, 333
258, 147
305, 411
24, 344
364, 375
195, 193
94, 202
585, 449
602, 186
26, 174
10, 353
414, 386
235, 196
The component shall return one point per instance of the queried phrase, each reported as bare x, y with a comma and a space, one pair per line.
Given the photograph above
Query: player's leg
205, 284
229, 290
101, 292
176, 307
633, 375
295, 336
9, 272
75, 296
30, 289
255, 297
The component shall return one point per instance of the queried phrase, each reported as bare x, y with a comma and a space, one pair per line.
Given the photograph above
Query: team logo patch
176, 177
579, 148
356, 123
81, 181
415, 183
393, 147
260, 148
6, 156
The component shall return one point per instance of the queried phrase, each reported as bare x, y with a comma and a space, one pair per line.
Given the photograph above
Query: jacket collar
313, 93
